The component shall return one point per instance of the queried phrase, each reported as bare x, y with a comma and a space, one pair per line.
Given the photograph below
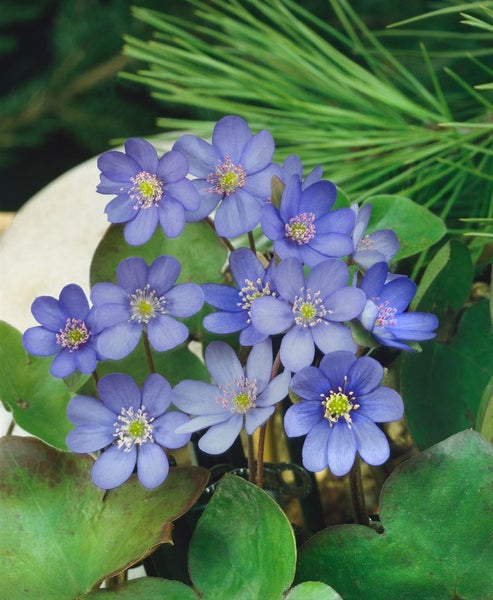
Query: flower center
365, 243
308, 309
227, 177
300, 228
240, 396
339, 404
146, 304
147, 190
252, 290
133, 428
386, 314
73, 335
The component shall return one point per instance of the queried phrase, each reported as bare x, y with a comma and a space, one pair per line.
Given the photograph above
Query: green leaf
442, 385
37, 400
146, 588
312, 590
416, 227
446, 282
484, 419
436, 512
243, 546
199, 250
61, 535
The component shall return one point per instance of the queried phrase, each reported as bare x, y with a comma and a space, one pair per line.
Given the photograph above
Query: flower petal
341, 449
289, 278
314, 453
156, 395
40, 341
49, 313
63, 364
297, 348
256, 417
88, 410
184, 300
140, 229
201, 156
164, 430
113, 467
132, 274
381, 406
196, 397
165, 333
152, 465
163, 273
119, 390
89, 437
118, 166
74, 302
143, 153
223, 364
302, 417
85, 359
310, 383
365, 375
171, 216
271, 315
226, 322
372, 443
259, 364
333, 337
119, 341
172, 167
230, 136
237, 214
220, 437
257, 152
245, 265
276, 390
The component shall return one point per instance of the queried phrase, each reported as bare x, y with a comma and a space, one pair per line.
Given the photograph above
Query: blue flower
235, 171
240, 396
130, 425
67, 330
144, 299
341, 400
383, 315
149, 190
304, 226
253, 280
292, 165
309, 310
379, 246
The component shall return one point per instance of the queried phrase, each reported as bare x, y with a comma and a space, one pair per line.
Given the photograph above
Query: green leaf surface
484, 420
416, 227
442, 386
61, 535
146, 588
312, 590
446, 282
243, 546
37, 400
436, 510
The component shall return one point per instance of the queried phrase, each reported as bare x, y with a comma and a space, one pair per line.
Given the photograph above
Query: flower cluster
294, 306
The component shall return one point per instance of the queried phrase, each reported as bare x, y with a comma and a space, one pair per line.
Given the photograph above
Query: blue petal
314, 453
372, 443
230, 136
223, 364
74, 302
197, 397
344, 304
381, 406
415, 324
152, 465
291, 198
119, 390
113, 467
276, 390
89, 437
259, 365
121, 209
222, 296
184, 300
143, 153
251, 336
171, 216
140, 229
48, 312
297, 348
365, 375
257, 153
172, 167
220, 437
156, 395
271, 222
310, 383
335, 366
332, 337
260, 184
63, 364
318, 198
289, 278
105, 292
337, 221
332, 244
132, 274
88, 410
164, 430
226, 322
108, 315
163, 273
40, 341
374, 280
328, 276
85, 359
208, 201
237, 214
341, 449
202, 422
245, 265
118, 341
185, 192
398, 293
118, 166
302, 417
270, 315
256, 417
165, 333
202, 157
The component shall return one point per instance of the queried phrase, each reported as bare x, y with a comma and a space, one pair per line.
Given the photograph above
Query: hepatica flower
131, 426
304, 226
145, 299
379, 246
252, 281
309, 311
292, 165
384, 312
234, 171
149, 190
341, 400
67, 330
239, 396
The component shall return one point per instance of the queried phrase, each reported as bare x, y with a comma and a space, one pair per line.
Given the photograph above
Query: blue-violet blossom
240, 396
309, 310
130, 425
379, 246
235, 171
67, 330
144, 299
341, 400
252, 281
292, 165
305, 227
149, 190
383, 315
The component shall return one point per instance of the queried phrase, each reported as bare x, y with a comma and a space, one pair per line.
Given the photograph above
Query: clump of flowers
132, 427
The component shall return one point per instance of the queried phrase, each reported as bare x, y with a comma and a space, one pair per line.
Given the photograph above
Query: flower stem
224, 240
147, 349
260, 456
251, 241
251, 460
357, 494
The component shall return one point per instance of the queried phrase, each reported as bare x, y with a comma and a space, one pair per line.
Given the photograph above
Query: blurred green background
61, 100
